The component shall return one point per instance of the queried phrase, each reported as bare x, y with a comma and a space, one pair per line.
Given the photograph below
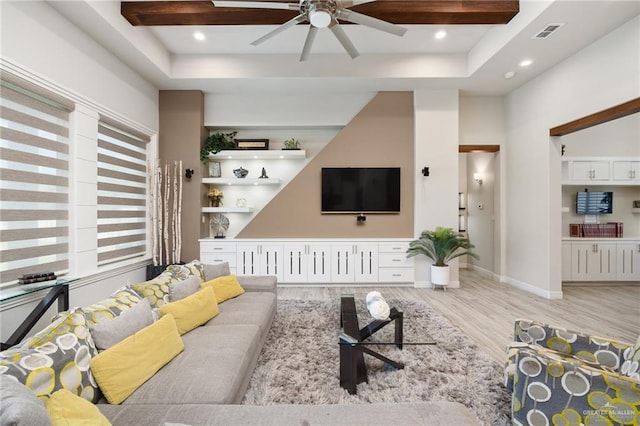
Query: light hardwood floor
485, 309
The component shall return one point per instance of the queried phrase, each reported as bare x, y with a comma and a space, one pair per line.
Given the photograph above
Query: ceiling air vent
547, 31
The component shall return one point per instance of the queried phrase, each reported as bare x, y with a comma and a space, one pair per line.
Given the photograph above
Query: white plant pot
439, 275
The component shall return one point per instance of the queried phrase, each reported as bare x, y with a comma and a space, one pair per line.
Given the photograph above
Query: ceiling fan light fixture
320, 15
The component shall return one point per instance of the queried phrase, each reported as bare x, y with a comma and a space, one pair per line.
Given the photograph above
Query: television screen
361, 190
596, 202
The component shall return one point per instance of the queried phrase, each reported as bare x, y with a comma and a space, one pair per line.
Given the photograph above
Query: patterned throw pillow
182, 272
631, 365
156, 290
55, 358
122, 299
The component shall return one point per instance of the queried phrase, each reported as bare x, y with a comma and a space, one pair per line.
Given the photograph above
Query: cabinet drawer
217, 248
215, 258
393, 260
393, 247
395, 275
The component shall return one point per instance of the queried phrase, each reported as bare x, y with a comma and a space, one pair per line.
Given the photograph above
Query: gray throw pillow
107, 333
214, 271
20, 406
181, 289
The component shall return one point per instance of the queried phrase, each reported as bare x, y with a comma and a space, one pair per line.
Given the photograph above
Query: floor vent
547, 31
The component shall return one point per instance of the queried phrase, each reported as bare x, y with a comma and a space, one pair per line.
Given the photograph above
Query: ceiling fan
319, 14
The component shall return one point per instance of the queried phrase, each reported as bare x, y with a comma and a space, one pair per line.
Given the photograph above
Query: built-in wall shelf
241, 181
257, 154
226, 210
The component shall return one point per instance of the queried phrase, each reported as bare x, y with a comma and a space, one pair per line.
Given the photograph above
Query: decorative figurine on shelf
241, 203
218, 225
215, 197
240, 173
264, 174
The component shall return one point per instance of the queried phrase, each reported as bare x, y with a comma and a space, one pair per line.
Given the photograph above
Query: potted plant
441, 246
217, 142
215, 196
291, 144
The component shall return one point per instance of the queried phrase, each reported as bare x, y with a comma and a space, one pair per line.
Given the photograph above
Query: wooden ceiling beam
442, 12
478, 148
618, 111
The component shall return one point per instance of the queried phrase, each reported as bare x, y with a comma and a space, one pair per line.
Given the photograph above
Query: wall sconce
425, 171
188, 173
478, 178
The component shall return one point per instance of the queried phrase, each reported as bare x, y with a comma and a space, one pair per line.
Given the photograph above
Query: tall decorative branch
165, 202
159, 212
174, 213
178, 231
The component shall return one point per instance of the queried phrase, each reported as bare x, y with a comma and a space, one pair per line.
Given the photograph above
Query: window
34, 180
122, 182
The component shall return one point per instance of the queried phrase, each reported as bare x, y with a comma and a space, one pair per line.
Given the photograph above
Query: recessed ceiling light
509, 74
440, 35
526, 63
199, 36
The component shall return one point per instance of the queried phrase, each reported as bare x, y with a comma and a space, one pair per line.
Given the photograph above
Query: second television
361, 190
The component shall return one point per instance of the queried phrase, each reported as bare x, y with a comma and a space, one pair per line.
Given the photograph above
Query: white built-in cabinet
590, 170
601, 171
601, 260
317, 261
626, 171
628, 261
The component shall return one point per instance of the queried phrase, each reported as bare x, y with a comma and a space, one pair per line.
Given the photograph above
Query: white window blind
34, 180
122, 183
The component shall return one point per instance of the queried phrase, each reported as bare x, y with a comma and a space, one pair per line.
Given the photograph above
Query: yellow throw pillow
125, 366
65, 408
225, 288
192, 311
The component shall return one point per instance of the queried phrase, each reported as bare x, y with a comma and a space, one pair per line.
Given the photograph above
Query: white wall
611, 139
286, 110
602, 75
481, 208
482, 120
46, 48
37, 38
436, 146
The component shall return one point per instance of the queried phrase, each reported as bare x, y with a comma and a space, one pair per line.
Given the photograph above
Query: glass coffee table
353, 346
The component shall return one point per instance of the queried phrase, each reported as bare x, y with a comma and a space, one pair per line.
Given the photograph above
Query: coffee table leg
348, 368
398, 329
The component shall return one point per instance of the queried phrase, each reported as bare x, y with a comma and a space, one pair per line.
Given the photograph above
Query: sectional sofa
188, 363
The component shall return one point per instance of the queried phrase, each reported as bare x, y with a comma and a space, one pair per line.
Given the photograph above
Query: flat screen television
594, 202
361, 190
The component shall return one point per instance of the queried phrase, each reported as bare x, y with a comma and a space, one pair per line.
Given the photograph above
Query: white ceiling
473, 59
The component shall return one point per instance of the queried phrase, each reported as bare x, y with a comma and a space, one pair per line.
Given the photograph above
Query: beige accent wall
381, 135
182, 132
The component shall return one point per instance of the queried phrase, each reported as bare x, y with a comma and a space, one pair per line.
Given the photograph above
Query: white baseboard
532, 289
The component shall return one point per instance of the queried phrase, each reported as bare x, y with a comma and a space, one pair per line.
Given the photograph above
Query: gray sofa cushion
260, 283
181, 289
249, 309
109, 332
418, 413
211, 369
214, 271
19, 405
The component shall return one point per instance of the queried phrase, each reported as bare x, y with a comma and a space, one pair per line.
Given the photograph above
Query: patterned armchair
560, 377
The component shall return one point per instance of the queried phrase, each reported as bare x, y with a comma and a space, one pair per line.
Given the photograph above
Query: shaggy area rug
299, 363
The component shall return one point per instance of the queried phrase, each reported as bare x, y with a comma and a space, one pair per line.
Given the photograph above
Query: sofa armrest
263, 283
567, 390
590, 348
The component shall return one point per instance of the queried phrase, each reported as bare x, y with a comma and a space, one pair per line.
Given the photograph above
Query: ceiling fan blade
290, 23
350, 3
257, 4
311, 36
337, 31
368, 21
